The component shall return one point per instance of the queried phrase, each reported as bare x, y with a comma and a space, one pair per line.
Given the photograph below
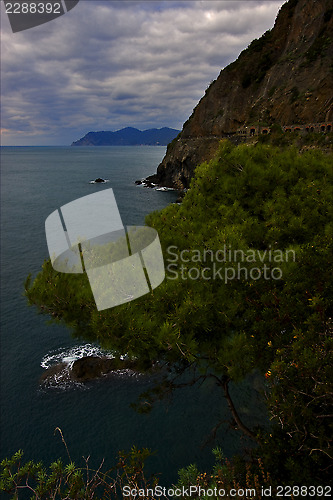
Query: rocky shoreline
159, 187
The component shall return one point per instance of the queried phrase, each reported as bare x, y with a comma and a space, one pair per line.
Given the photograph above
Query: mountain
129, 136
284, 77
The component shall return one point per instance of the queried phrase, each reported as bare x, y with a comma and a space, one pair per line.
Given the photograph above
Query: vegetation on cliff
248, 287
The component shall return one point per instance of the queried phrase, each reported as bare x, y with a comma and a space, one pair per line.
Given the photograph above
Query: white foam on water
71, 354
154, 186
163, 188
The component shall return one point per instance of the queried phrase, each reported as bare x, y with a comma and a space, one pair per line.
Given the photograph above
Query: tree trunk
225, 384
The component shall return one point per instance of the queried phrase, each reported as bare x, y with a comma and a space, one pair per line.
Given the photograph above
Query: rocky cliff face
285, 77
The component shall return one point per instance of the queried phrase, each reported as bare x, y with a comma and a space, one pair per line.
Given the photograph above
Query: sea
96, 419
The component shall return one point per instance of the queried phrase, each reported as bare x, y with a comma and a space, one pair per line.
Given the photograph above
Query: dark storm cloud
106, 65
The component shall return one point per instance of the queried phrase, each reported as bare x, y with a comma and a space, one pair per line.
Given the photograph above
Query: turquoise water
97, 419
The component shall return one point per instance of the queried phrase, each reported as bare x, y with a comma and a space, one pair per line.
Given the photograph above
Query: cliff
285, 77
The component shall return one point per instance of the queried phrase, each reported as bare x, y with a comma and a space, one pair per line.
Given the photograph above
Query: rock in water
52, 372
85, 369
90, 367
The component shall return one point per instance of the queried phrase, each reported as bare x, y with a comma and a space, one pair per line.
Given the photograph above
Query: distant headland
129, 136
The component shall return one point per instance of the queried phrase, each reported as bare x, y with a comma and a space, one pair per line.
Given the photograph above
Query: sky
108, 64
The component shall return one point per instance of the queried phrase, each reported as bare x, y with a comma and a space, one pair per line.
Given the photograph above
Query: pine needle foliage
262, 201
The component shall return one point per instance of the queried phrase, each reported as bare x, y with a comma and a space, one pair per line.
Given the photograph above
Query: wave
163, 188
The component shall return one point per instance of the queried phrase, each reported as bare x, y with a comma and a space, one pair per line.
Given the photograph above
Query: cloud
109, 64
